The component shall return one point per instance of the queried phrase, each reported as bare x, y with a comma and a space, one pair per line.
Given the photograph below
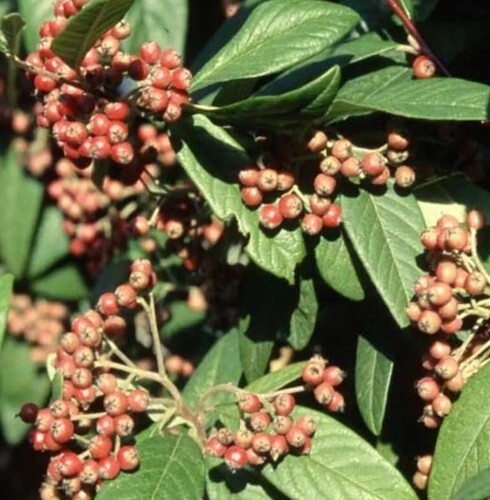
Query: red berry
225, 436
279, 447
44, 420
312, 373
150, 52
117, 132
307, 424
68, 464
107, 304
337, 404
333, 375
427, 388
122, 153
424, 464
373, 164
59, 408
413, 311
330, 165
243, 438
138, 69
160, 77
319, 205
214, 448
332, 217
475, 283
439, 349
117, 111
285, 180
82, 378
324, 185
318, 142
100, 446
423, 67
382, 178
123, 425
282, 424
251, 196
249, 176
138, 400
261, 443
284, 404
115, 403
296, 437
181, 78
126, 296
128, 458
439, 293
447, 368
441, 405
28, 413
312, 224
429, 322
109, 467
290, 206
105, 426
351, 167
106, 383
235, 457
404, 176
254, 458
270, 217
324, 393
99, 147
260, 421
475, 219
456, 383
342, 149
398, 139
170, 58
89, 473
62, 430
267, 179
420, 480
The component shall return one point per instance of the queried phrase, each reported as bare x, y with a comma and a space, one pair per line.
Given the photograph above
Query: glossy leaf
303, 318
11, 27
64, 283
6, 286
306, 27
384, 230
20, 382
476, 487
163, 21
341, 465
33, 19
51, 243
221, 365
212, 159
86, 27
277, 380
463, 444
21, 197
337, 267
309, 102
374, 367
392, 90
171, 467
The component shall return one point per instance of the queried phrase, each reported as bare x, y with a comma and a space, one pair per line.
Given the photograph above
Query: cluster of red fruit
267, 431
89, 118
421, 476
87, 382
439, 295
41, 323
336, 159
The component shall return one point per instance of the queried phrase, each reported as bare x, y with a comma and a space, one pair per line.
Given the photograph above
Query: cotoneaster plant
230, 269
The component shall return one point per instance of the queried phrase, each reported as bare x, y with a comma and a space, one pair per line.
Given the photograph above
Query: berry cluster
421, 477
455, 290
267, 431
277, 194
80, 464
90, 118
40, 322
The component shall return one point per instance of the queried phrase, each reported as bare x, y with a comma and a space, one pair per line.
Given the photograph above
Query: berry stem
413, 31
90, 416
118, 352
475, 355
290, 390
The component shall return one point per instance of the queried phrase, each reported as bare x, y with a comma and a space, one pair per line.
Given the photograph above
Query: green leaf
11, 27
303, 318
63, 283
51, 243
34, 18
423, 8
374, 368
20, 382
57, 386
391, 90
384, 230
336, 265
341, 465
171, 467
276, 380
86, 27
306, 103
6, 287
222, 483
451, 195
181, 318
462, 448
475, 488
221, 365
305, 27
212, 159
21, 197
163, 21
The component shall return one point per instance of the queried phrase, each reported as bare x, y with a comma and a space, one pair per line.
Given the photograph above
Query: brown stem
410, 27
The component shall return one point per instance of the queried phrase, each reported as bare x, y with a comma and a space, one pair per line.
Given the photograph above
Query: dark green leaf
21, 197
86, 27
64, 283
341, 465
20, 382
304, 315
277, 380
476, 487
181, 318
384, 230
51, 243
374, 368
336, 266
162, 21
11, 26
221, 365
171, 467
462, 448
6, 286
306, 27
212, 159
391, 90
224, 484
34, 18
423, 8
309, 102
